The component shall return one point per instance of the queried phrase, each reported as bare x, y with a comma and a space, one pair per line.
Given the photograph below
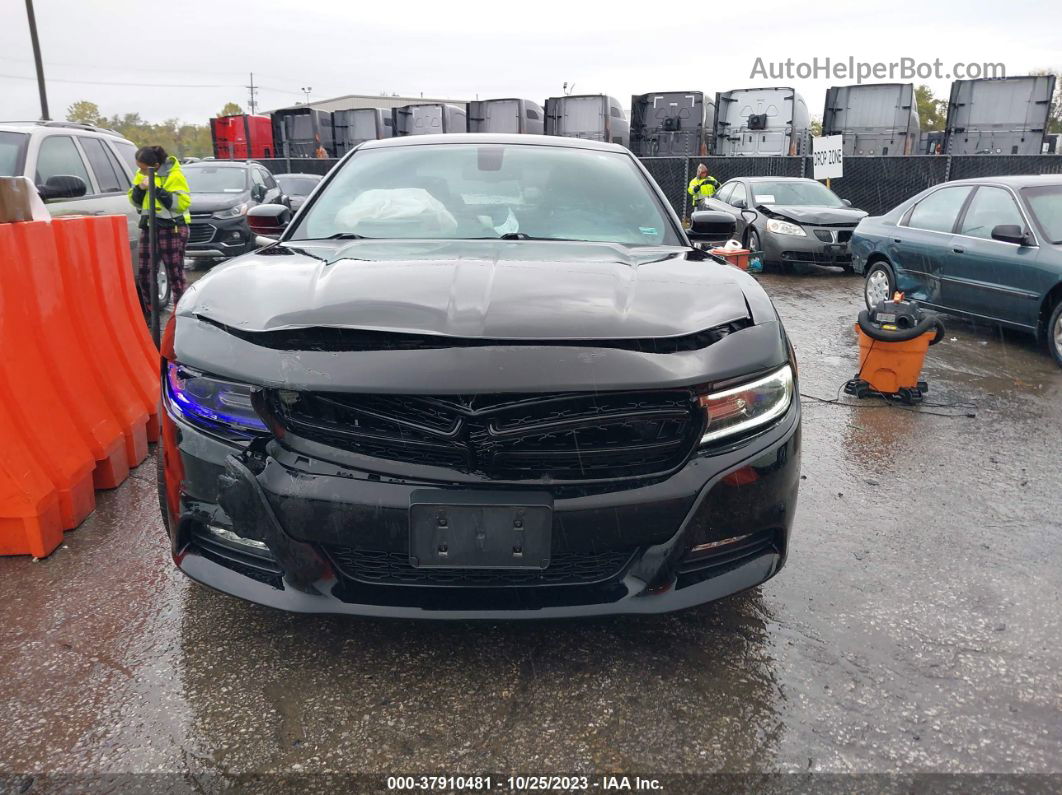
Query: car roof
554, 141
57, 127
1013, 181
777, 179
301, 173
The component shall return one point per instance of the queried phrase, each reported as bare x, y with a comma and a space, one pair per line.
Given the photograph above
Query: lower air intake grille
393, 568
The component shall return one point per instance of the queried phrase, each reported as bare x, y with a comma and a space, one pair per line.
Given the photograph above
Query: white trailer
761, 121
876, 119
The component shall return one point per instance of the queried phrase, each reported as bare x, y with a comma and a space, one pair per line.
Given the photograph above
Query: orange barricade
78, 383
37, 411
105, 353
109, 243
29, 504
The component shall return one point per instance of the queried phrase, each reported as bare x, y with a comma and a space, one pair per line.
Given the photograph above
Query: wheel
753, 243
880, 284
1054, 333
164, 287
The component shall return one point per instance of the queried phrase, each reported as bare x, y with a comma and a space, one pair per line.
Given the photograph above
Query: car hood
817, 215
514, 290
212, 202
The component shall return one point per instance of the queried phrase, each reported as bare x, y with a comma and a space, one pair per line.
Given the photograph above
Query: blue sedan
988, 249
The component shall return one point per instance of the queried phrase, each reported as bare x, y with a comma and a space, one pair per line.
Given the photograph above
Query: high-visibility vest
702, 187
170, 178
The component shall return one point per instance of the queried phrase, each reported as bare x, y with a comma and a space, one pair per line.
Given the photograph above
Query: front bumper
209, 238
308, 513
809, 250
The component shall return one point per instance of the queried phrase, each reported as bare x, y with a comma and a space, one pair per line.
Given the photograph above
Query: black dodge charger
479, 376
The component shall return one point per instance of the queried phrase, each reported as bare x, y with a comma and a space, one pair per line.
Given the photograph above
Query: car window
1046, 205
256, 177
103, 166
12, 153
937, 211
216, 179
128, 154
989, 208
739, 196
462, 191
59, 157
725, 191
267, 178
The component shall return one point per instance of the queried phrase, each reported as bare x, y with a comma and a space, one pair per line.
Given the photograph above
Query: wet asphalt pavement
916, 627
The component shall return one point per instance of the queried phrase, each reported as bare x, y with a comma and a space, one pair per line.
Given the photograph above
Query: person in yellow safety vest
172, 200
702, 186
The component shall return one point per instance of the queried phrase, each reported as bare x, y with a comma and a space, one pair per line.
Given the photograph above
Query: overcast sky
198, 54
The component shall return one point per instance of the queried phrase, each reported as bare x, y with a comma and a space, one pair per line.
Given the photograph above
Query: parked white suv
78, 170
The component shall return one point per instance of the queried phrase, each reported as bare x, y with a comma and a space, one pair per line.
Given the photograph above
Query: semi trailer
352, 127
428, 118
596, 117
509, 115
1000, 116
875, 119
761, 121
671, 123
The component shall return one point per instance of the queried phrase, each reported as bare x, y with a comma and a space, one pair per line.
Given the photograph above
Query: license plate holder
480, 530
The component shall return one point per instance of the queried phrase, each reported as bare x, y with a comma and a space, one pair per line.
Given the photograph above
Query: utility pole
37, 60
306, 90
252, 102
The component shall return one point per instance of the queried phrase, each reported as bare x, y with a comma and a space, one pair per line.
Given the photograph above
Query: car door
738, 200
58, 155
112, 182
721, 202
923, 241
993, 278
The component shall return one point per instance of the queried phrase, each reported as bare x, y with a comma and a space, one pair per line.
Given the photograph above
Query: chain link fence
874, 184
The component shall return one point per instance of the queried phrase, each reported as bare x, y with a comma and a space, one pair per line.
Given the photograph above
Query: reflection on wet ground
916, 625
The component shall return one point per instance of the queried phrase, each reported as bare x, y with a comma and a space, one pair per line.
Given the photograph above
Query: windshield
461, 191
1046, 206
216, 179
296, 186
804, 194
12, 153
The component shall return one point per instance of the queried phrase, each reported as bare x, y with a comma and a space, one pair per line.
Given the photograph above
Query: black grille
825, 235
844, 235
200, 233
393, 568
573, 436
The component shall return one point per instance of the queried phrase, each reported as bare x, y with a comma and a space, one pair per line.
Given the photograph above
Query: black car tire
753, 243
879, 273
1054, 333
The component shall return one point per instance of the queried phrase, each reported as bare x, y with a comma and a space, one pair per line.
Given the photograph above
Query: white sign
828, 156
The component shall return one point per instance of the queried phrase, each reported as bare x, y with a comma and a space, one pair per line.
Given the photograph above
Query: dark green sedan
988, 249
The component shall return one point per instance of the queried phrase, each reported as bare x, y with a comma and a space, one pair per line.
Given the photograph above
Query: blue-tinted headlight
212, 402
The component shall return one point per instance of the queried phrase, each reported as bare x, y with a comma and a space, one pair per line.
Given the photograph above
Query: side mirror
739, 203
711, 225
269, 220
846, 202
1010, 233
63, 186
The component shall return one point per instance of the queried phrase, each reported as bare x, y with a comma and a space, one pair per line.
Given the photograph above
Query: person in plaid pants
172, 200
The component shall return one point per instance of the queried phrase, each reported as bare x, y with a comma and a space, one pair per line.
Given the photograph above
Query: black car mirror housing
711, 225
1010, 233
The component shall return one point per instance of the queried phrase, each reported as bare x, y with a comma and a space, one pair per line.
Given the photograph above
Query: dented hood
476, 289
824, 216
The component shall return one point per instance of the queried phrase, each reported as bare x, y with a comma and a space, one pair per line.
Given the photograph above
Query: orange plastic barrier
890, 366
79, 385
104, 350
29, 505
27, 386
109, 242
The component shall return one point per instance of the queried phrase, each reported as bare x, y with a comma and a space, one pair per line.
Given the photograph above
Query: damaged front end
295, 459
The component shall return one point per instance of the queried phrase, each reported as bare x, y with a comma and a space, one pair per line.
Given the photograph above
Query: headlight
233, 212
742, 408
212, 403
785, 228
